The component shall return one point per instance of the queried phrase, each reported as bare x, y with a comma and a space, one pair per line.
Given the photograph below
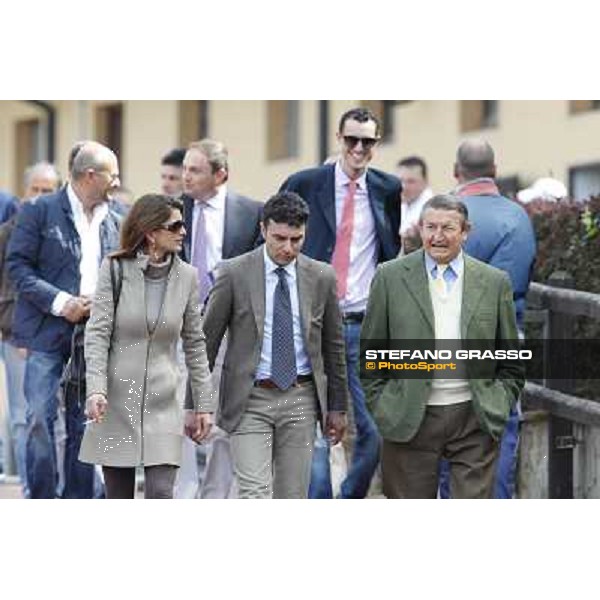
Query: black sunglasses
174, 226
367, 142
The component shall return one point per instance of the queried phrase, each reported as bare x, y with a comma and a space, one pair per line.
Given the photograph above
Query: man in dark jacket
53, 259
353, 224
41, 178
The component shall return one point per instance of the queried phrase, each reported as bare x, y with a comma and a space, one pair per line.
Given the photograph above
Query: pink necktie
341, 254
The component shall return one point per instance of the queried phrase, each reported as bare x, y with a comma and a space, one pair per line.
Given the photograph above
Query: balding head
94, 173
474, 159
77, 146
90, 155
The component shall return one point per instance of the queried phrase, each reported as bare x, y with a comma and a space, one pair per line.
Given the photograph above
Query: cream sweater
447, 313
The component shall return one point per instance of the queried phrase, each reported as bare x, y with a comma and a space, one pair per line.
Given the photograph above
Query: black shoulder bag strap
116, 279
74, 372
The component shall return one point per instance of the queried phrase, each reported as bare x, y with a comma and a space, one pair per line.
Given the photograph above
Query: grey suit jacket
237, 305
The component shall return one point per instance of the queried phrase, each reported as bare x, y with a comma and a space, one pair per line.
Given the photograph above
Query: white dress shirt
91, 254
364, 247
410, 212
303, 367
214, 218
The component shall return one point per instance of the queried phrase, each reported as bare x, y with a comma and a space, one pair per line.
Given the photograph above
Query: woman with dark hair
140, 312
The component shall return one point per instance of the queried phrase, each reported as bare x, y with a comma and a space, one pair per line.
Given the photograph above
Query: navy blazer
242, 225
43, 257
317, 187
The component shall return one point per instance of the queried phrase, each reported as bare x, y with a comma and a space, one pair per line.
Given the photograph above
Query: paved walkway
10, 488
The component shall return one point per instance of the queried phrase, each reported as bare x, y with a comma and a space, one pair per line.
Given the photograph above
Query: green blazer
400, 308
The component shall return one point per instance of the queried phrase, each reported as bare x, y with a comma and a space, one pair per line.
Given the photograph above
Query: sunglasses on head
367, 142
174, 226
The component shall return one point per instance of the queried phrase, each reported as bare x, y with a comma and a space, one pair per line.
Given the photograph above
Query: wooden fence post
558, 334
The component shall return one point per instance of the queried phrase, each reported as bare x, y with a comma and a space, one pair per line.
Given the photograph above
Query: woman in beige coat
132, 375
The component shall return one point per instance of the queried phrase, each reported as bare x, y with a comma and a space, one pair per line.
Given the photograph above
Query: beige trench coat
137, 370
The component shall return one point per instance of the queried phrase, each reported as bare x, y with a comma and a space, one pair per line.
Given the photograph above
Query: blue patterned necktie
283, 355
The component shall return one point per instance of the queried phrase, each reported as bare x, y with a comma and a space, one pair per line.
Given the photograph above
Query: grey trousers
272, 445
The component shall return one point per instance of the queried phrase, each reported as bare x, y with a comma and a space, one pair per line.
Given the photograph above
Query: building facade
268, 139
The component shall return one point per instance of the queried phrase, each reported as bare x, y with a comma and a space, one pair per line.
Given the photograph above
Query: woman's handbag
74, 373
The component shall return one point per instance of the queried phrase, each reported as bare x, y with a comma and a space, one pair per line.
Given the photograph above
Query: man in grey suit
285, 363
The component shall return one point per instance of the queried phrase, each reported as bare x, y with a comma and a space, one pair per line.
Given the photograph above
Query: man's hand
87, 306
95, 407
76, 309
336, 426
198, 425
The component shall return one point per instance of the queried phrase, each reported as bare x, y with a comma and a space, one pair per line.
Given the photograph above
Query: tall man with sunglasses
353, 224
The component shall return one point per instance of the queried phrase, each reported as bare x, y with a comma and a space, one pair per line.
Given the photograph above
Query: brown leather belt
271, 385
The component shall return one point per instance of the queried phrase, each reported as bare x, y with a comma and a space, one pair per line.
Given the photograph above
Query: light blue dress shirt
455, 268
303, 366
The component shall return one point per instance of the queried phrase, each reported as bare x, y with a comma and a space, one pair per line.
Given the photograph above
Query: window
384, 111
478, 114
29, 148
580, 106
282, 129
193, 121
584, 181
109, 128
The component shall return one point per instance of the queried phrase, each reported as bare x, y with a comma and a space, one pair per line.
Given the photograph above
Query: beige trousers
272, 445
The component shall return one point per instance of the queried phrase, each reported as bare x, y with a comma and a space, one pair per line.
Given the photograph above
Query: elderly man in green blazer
439, 295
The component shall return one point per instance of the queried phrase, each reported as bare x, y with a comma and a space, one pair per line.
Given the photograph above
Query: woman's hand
95, 407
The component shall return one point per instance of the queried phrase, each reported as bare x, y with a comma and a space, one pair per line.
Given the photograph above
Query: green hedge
568, 239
